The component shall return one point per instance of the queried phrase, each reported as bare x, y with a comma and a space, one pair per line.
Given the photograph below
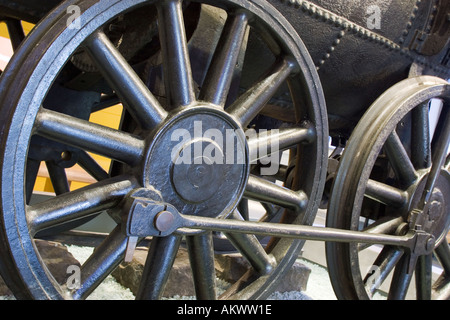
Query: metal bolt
402, 229
435, 210
430, 244
164, 221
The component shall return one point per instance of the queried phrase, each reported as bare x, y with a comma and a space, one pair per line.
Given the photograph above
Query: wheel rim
138, 150
399, 194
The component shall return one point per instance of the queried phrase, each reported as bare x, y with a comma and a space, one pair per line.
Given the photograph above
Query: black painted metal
356, 60
144, 149
358, 53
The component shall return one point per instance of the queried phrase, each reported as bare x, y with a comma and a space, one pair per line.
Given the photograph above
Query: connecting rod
296, 231
152, 218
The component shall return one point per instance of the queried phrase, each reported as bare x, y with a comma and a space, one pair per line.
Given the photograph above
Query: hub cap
436, 215
199, 162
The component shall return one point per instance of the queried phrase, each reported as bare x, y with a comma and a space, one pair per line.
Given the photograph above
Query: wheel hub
198, 160
196, 181
435, 218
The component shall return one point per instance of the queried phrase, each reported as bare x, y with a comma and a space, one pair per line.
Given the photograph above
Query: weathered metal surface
191, 152
31, 11
359, 48
362, 48
411, 194
189, 66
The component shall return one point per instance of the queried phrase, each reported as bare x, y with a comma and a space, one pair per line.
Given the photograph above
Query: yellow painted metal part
27, 27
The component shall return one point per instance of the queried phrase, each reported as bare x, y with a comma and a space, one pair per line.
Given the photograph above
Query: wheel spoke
399, 160
201, 257
423, 277
106, 101
178, 79
441, 290
89, 136
31, 174
267, 142
160, 258
271, 212
78, 204
387, 225
441, 141
384, 264
386, 194
253, 100
91, 166
420, 137
243, 209
15, 31
220, 74
251, 249
443, 255
58, 178
105, 258
138, 100
265, 191
401, 278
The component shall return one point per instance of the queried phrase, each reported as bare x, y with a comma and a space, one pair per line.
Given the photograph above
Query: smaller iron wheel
394, 177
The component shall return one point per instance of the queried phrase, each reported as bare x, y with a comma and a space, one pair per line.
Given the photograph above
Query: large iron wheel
146, 155
394, 177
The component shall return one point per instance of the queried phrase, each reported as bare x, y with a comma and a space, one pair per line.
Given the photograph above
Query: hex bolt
164, 221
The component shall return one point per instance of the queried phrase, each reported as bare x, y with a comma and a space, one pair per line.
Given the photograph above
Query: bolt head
431, 241
164, 221
435, 210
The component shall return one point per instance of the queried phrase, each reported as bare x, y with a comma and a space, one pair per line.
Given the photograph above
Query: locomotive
367, 75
